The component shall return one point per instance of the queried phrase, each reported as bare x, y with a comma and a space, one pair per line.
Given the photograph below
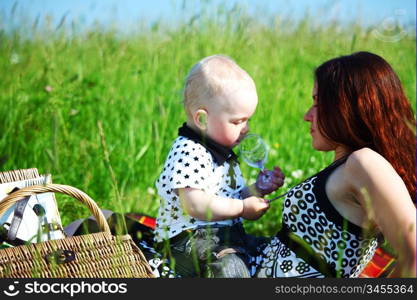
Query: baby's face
228, 116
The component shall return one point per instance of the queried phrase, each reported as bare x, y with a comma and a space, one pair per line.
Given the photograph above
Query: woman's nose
308, 116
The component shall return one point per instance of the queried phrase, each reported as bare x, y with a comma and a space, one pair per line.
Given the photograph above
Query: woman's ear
200, 119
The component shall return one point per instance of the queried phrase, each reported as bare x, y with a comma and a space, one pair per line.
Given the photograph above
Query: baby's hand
269, 181
254, 208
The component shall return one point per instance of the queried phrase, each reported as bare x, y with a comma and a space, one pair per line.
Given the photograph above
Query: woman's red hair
364, 105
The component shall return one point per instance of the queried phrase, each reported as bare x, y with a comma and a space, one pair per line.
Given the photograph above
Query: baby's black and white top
196, 162
331, 245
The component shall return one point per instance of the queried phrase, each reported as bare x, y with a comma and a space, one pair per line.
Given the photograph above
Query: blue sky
125, 13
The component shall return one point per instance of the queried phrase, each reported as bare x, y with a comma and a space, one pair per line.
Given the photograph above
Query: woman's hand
269, 181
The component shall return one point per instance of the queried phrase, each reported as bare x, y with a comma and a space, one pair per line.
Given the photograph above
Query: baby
203, 194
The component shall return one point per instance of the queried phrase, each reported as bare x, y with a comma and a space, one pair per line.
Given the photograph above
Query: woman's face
319, 142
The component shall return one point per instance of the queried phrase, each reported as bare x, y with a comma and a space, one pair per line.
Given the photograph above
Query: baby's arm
207, 207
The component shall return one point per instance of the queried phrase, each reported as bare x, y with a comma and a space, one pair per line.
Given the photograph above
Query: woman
332, 221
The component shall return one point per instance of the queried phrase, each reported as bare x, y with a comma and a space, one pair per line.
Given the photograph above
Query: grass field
58, 87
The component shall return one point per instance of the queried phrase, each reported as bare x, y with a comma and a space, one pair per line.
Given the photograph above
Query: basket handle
14, 197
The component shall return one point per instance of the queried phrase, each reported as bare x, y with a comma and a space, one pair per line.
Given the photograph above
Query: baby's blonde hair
212, 77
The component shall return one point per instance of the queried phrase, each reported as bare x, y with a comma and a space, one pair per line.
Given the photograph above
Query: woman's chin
323, 148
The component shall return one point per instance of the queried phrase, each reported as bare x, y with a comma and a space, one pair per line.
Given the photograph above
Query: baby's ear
200, 119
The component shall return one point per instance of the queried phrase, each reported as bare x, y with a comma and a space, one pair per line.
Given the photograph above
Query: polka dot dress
337, 247
190, 165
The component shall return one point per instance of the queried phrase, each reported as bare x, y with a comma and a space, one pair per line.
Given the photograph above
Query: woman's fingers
278, 173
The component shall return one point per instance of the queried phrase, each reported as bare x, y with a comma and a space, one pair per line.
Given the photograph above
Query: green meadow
99, 110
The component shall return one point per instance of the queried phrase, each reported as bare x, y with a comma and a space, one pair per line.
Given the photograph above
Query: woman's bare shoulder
367, 159
367, 165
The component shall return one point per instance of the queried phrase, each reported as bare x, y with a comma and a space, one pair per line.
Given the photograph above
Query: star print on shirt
197, 171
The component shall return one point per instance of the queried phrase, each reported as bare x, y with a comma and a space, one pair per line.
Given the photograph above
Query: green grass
133, 84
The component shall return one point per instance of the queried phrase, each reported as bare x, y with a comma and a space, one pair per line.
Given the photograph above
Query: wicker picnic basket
96, 255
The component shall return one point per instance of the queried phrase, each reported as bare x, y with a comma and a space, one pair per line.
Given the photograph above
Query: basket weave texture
96, 255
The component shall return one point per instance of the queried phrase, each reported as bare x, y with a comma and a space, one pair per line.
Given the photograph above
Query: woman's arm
387, 203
